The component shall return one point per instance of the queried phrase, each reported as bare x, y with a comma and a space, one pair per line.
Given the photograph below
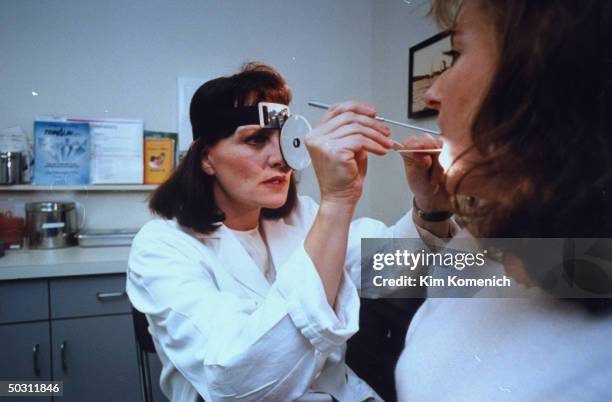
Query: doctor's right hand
338, 147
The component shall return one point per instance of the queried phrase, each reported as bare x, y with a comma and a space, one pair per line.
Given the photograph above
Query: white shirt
519, 350
256, 247
528, 348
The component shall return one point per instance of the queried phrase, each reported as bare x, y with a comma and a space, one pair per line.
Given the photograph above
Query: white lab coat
221, 330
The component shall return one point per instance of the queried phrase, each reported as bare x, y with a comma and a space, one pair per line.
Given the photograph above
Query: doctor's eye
258, 138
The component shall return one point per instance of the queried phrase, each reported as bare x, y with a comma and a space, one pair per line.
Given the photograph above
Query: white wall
396, 26
120, 58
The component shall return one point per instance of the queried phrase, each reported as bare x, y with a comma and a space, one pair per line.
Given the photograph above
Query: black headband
228, 120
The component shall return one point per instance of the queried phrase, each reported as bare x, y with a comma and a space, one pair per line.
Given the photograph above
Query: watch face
292, 143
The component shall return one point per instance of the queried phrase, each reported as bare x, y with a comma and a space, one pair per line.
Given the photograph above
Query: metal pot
10, 167
51, 224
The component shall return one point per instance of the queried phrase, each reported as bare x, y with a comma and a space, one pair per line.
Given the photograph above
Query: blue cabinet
77, 330
25, 354
96, 359
26, 300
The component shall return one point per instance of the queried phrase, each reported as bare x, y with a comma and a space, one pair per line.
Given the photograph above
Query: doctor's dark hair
545, 124
187, 195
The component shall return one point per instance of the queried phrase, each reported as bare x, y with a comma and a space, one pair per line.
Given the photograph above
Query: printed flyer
62, 153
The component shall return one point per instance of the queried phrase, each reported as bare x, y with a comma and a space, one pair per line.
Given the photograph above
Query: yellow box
158, 159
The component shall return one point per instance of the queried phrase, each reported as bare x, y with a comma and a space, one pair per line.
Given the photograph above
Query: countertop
71, 261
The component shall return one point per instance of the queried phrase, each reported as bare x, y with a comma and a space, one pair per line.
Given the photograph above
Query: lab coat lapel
282, 240
239, 263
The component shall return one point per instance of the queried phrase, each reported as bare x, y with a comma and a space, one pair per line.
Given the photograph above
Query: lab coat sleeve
231, 347
371, 228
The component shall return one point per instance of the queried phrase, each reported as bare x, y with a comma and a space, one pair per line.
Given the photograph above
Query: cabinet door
88, 296
96, 358
25, 355
22, 301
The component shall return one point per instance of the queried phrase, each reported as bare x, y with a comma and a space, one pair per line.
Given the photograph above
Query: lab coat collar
281, 238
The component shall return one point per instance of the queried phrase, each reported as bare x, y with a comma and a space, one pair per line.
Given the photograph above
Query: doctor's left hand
338, 147
425, 178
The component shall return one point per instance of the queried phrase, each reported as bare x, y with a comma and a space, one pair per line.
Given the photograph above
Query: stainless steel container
51, 224
27, 167
10, 167
106, 238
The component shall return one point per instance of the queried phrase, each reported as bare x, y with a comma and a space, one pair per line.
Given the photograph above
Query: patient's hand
425, 174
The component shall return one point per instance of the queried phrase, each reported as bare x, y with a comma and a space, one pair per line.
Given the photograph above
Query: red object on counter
11, 229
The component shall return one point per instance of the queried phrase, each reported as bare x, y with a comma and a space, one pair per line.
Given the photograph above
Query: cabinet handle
63, 356
104, 296
35, 359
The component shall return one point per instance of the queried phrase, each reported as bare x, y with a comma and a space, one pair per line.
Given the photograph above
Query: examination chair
144, 346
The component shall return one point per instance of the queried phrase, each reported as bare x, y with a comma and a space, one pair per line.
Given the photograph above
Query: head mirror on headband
292, 143
293, 128
272, 115
293, 131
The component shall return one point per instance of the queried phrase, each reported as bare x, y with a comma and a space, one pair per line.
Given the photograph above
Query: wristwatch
435, 216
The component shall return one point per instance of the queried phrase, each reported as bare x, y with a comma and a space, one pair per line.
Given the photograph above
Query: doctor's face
459, 91
249, 170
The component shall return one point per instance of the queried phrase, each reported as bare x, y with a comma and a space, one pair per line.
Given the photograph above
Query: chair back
143, 337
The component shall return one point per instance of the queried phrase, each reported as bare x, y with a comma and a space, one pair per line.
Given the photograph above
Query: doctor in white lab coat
222, 330
247, 288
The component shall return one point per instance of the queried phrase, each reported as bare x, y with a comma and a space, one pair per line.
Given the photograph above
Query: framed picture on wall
428, 60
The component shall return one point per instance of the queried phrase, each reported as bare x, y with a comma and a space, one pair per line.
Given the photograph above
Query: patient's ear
207, 165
